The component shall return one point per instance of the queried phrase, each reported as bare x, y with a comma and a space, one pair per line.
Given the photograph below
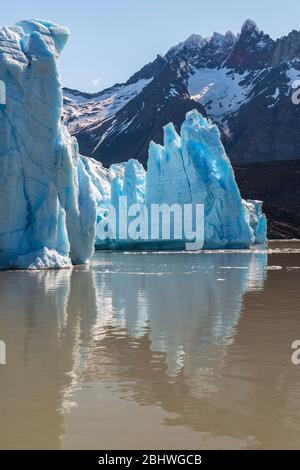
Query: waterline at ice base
52, 200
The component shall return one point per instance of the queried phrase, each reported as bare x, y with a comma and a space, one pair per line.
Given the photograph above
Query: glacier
47, 208
190, 168
53, 200
193, 168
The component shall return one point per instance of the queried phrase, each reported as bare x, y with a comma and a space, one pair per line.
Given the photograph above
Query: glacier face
195, 169
47, 208
190, 168
51, 197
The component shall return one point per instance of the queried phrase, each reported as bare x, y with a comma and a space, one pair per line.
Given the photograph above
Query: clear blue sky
112, 39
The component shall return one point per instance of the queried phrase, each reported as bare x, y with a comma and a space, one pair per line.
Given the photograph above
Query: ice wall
190, 168
193, 168
47, 208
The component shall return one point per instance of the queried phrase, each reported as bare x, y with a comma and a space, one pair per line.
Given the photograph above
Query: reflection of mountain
181, 333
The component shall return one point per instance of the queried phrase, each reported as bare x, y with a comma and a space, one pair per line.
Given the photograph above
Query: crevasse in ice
47, 208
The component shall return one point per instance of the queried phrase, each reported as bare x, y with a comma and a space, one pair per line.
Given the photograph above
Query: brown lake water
153, 351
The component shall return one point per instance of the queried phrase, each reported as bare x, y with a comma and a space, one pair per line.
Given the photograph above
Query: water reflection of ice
103, 321
186, 313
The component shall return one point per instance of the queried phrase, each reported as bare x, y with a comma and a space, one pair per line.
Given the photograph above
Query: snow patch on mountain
293, 75
195, 40
105, 134
81, 111
220, 91
274, 97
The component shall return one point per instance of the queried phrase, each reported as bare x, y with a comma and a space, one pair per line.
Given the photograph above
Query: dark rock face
278, 185
287, 48
130, 130
266, 127
243, 83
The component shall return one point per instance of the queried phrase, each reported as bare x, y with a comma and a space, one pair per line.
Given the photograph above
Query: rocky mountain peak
287, 48
250, 27
242, 82
253, 49
195, 40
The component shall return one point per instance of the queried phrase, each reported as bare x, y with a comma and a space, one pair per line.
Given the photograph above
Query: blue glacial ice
193, 168
47, 208
190, 168
52, 199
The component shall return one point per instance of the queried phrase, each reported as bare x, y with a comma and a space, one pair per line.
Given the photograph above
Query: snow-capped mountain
243, 82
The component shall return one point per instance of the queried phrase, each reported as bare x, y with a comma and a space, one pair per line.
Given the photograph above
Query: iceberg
190, 168
53, 200
193, 168
257, 220
47, 206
